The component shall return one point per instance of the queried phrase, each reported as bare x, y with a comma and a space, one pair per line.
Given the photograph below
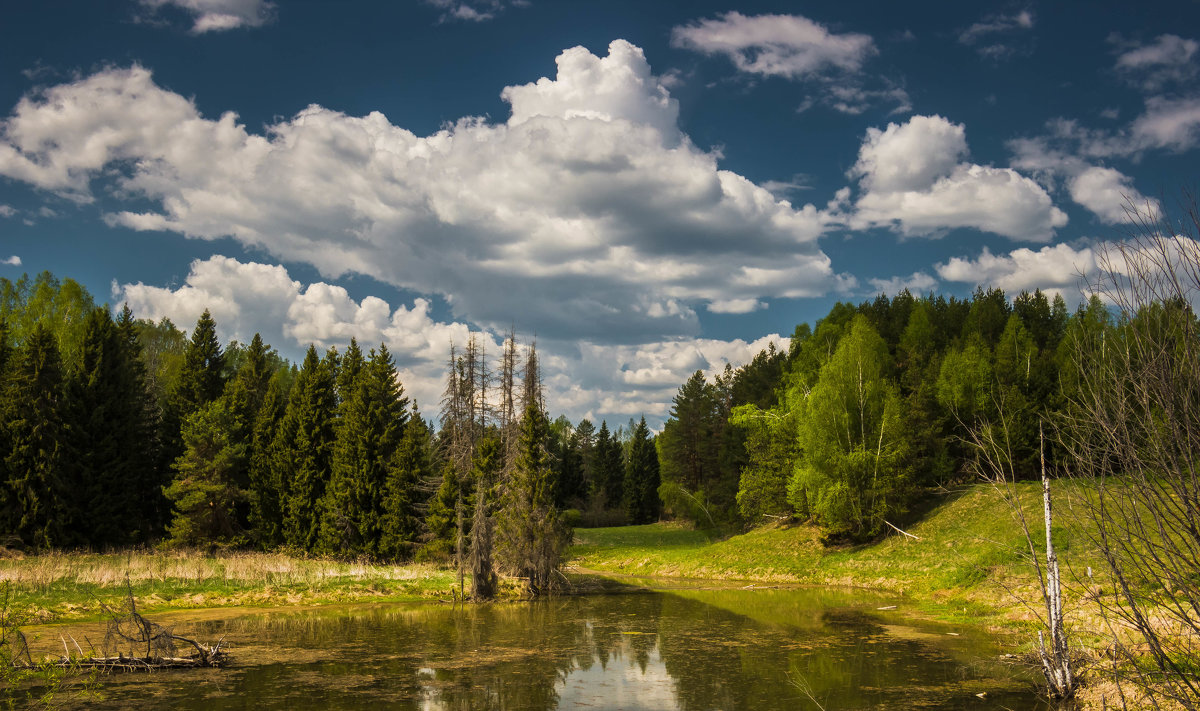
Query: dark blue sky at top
424, 71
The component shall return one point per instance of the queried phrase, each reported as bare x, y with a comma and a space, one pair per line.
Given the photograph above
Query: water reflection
687, 650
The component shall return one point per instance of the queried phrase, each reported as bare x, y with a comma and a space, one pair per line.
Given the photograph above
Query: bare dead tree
1131, 433
508, 403
994, 462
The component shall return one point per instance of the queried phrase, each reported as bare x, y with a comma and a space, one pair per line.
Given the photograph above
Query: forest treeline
879, 403
120, 431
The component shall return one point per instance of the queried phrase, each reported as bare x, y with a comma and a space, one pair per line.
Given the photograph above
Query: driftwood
131, 643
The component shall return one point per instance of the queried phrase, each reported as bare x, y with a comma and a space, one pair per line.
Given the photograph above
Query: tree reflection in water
690, 650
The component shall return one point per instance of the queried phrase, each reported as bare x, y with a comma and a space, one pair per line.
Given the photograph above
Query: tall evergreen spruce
247, 391
140, 436
641, 477
370, 426
32, 420
266, 482
608, 468
400, 524
303, 447
102, 408
202, 378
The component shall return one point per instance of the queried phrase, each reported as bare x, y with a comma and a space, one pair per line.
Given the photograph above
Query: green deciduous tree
853, 472
771, 446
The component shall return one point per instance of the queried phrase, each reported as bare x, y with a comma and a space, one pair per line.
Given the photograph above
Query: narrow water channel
691, 650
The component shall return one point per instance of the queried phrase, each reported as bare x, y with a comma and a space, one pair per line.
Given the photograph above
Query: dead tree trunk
1056, 661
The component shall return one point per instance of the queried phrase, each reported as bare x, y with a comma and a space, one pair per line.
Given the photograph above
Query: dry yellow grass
59, 585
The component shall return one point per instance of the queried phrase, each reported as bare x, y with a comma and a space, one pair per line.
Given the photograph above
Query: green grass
971, 559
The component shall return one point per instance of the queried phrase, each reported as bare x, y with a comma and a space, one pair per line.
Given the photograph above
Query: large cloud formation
582, 379
915, 179
586, 214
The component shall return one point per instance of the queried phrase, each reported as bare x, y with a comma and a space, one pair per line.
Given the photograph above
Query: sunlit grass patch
68, 584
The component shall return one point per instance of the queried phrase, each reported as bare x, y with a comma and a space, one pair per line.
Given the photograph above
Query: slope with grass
969, 552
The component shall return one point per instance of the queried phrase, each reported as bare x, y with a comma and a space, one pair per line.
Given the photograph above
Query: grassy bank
968, 563
969, 557
58, 586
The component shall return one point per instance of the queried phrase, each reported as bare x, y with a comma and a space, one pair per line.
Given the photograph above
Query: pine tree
32, 422
205, 493
690, 446
641, 484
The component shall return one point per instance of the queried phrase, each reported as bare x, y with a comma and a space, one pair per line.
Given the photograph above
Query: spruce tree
266, 484
400, 524
95, 410
140, 436
609, 468
202, 377
302, 449
370, 426
32, 420
642, 504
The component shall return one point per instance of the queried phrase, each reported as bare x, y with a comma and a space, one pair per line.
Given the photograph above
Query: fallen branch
897, 530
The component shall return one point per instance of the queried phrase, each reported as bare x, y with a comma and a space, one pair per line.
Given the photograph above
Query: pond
680, 649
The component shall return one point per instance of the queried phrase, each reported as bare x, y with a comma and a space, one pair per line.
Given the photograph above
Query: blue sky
647, 188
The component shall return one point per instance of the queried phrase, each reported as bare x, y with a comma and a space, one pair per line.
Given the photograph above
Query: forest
119, 432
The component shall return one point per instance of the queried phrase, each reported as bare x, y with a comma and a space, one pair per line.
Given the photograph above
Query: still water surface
692, 649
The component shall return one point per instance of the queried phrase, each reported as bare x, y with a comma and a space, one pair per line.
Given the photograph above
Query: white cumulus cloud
797, 48
915, 179
1169, 58
789, 46
1054, 269
219, 15
1106, 192
993, 36
13, 261
586, 214
916, 283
